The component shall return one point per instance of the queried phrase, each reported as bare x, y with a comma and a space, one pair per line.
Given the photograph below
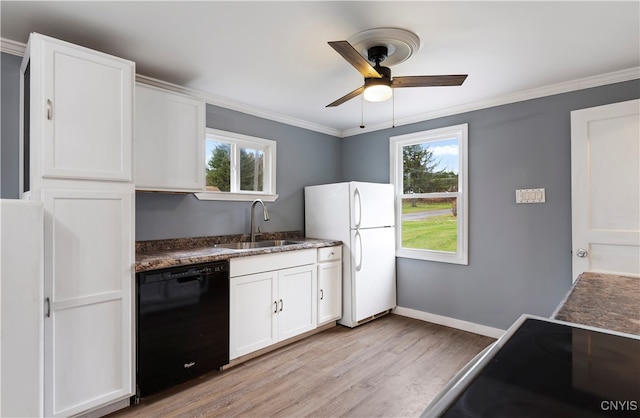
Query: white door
374, 271
329, 291
88, 99
169, 141
253, 313
297, 304
372, 205
605, 183
88, 286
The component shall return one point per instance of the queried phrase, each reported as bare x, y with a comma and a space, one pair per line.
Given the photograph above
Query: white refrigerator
361, 215
21, 308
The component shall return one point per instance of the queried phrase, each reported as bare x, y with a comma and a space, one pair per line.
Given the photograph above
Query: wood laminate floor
391, 367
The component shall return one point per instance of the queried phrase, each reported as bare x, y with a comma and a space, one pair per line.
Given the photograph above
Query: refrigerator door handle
357, 203
358, 251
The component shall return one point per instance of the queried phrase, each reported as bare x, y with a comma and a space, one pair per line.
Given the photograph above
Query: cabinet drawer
329, 253
268, 262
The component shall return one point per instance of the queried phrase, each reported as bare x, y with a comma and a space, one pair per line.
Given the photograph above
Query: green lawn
421, 206
438, 233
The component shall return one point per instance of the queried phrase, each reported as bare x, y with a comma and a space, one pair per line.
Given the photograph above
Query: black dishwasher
182, 324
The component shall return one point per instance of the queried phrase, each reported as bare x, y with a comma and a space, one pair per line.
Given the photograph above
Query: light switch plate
530, 196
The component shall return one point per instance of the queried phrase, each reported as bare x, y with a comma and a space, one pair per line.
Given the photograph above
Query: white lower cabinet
253, 310
297, 303
271, 306
329, 284
88, 286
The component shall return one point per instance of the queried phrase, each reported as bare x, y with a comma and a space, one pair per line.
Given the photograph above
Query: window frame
268, 146
396, 143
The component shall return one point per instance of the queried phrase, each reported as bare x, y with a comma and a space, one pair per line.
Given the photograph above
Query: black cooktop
552, 369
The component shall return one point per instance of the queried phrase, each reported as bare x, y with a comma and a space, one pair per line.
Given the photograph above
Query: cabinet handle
321, 294
47, 302
275, 303
281, 305
49, 109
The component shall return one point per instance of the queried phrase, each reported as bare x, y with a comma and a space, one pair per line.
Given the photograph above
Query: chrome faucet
266, 218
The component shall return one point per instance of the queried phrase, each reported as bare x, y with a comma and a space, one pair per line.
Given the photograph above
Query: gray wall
519, 255
303, 158
10, 126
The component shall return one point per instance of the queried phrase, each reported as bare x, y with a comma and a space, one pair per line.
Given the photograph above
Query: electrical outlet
530, 196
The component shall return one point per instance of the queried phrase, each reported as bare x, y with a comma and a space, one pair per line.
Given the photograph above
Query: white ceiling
272, 58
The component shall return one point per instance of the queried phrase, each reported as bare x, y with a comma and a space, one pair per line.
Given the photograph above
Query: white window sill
439, 256
236, 197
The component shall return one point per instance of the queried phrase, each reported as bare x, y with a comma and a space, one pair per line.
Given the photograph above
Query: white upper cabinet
169, 141
85, 102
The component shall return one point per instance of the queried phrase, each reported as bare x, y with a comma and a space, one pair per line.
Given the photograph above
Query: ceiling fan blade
352, 56
428, 80
347, 97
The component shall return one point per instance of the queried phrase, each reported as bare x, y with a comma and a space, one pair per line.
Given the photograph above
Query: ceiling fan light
377, 92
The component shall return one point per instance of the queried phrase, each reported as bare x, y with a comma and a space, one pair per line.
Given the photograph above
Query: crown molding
238, 106
17, 48
550, 90
12, 47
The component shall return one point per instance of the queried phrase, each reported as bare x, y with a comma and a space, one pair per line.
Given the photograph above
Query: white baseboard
450, 322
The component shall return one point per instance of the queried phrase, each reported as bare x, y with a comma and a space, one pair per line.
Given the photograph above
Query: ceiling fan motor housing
377, 54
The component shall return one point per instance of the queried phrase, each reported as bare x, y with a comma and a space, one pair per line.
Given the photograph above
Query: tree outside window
239, 167
219, 168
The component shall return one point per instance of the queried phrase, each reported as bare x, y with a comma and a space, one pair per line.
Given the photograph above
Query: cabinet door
329, 291
253, 313
169, 141
88, 107
297, 305
89, 258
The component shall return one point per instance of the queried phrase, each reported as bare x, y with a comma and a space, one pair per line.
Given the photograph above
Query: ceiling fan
378, 83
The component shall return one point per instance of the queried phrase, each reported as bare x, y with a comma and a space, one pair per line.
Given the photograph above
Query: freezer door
371, 205
373, 271
327, 211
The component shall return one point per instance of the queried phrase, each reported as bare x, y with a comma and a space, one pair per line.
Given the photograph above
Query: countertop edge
155, 260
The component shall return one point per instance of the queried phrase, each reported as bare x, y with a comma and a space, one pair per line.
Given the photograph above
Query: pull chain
362, 111
393, 110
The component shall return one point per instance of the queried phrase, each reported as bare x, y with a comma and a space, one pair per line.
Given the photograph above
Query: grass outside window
434, 231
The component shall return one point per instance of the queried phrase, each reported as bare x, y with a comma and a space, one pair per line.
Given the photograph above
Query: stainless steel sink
257, 244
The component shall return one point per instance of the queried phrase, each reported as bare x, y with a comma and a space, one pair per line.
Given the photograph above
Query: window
429, 171
239, 167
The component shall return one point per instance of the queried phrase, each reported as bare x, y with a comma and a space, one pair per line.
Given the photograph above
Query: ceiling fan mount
389, 45
377, 54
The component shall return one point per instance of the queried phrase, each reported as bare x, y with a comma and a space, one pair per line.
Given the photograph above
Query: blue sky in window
209, 147
446, 153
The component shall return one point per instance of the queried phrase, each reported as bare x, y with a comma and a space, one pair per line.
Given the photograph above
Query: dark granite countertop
604, 301
159, 254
